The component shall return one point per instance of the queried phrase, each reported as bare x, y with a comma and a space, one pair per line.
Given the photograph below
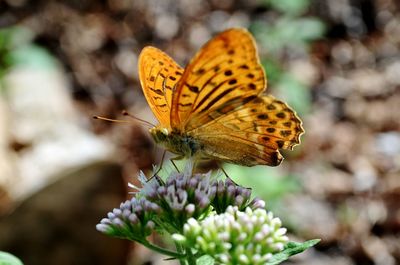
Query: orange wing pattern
158, 75
257, 129
225, 70
217, 102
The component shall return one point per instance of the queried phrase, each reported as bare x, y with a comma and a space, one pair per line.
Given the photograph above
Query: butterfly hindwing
226, 69
259, 127
158, 75
239, 149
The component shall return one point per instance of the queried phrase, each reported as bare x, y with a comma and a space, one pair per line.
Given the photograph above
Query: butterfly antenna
112, 120
125, 113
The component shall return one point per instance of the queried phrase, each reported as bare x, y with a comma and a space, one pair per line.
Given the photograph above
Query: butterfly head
160, 134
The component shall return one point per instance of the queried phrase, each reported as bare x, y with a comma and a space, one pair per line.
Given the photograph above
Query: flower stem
190, 257
161, 250
180, 250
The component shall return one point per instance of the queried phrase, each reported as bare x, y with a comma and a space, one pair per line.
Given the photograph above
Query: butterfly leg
223, 170
173, 163
155, 175
226, 174
161, 165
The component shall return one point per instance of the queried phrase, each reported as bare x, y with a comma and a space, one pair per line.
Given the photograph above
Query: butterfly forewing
224, 70
158, 75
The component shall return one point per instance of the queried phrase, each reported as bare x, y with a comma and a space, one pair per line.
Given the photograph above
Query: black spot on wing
232, 81
280, 143
200, 71
252, 86
228, 73
262, 116
285, 133
194, 89
157, 91
185, 105
281, 115
287, 124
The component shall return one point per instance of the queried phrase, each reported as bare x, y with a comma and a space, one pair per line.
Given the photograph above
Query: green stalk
190, 257
180, 250
163, 251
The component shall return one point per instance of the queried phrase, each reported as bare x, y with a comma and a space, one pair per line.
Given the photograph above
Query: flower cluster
185, 195
206, 217
236, 237
168, 205
180, 197
230, 194
132, 220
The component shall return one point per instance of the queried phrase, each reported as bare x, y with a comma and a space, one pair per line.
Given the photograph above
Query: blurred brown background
336, 62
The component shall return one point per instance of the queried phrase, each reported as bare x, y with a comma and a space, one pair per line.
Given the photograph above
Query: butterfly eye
164, 131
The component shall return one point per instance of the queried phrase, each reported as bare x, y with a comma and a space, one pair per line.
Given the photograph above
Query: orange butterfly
214, 108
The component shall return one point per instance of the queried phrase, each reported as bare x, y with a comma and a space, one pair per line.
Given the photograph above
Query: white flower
236, 237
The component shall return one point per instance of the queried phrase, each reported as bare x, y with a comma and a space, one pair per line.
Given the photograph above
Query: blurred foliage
297, 93
265, 182
17, 48
289, 7
5, 50
8, 259
291, 249
205, 260
290, 31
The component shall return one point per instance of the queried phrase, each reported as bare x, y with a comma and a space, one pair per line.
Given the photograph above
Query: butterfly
214, 108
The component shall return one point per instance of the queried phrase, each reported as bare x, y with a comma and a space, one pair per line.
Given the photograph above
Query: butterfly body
215, 107
186, 145
176, 142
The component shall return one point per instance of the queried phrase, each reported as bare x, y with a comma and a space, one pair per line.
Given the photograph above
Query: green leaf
32, 56
205, 260
294, 93
309, 28
8, 259
287, 32
292, 248
290, 7
15, 36
273, 70
266, 183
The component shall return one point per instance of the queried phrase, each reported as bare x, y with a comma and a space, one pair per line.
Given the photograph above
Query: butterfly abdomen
175, 141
